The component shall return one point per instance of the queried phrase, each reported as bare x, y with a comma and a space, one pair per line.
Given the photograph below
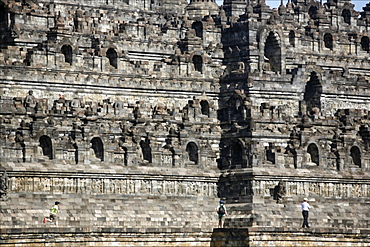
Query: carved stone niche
4, 186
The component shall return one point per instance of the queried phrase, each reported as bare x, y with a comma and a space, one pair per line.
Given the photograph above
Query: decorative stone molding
338, 189
127, 186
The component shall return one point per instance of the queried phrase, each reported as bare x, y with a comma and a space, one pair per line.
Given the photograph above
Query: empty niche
292, 38
312, 12
198, 27
112, 56
272, 52
98, 148
270, 153
67, 52
365, 43
346, 14
192, 150
46, 146
198, 63
146, 150
312, 94
236, 155
356, 156
328, 41
204, 107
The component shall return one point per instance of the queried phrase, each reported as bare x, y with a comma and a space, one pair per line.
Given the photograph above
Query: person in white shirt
305, 209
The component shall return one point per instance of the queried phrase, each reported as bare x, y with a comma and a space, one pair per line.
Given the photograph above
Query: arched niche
346, 14
198, 27
236, 151
270, 154
19, 139
98, 147
198, 63
125, 156
272, 52
3, 14
67, 52
173, 156
112, 56
292, 38
313, 91
46, 146
193, 152
355, 154
313, 154
233, 108
204, 106
365, 43
328, 41
146, 150
312, 11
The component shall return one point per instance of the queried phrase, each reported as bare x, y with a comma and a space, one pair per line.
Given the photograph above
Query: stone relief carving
296, 188
30, 100
324, 189
279, 191
4, 186
112, 186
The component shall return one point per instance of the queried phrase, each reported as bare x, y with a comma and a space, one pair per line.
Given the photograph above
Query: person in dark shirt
222, 212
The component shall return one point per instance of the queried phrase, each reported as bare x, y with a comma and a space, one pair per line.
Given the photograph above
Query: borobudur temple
140, 115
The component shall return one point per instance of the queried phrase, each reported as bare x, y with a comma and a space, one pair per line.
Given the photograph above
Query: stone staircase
346, 213
131, 213
27, 210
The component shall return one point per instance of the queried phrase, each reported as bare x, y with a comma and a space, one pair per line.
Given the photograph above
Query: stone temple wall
294, 114
139, 115
110, 108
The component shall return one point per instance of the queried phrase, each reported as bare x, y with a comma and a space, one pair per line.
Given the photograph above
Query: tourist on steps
305, 209
221, 211
53, 214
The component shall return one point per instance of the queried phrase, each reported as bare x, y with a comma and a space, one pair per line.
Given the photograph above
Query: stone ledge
169, 237
87, 230
318, 230
125, 230
106, 169
290, 237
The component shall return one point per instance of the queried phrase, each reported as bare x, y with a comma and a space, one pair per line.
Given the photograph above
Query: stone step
109, 210
337, 213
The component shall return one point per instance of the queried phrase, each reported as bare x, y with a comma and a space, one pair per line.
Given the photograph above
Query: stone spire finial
282, 8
